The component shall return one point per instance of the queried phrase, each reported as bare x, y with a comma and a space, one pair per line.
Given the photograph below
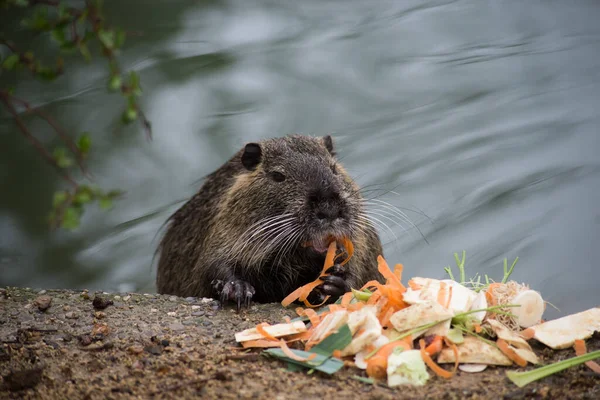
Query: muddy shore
58, 344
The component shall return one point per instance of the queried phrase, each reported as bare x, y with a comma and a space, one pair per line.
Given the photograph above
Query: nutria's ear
252, 156
328, 142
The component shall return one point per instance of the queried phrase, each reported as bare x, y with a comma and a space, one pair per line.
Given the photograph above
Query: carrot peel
439, 371
580, 349
510, 353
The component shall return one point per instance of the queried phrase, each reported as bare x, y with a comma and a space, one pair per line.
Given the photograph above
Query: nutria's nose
325, 204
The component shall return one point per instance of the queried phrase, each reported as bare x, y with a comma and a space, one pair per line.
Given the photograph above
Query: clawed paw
236, 290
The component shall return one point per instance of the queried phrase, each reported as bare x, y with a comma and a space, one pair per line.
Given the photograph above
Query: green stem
523, 378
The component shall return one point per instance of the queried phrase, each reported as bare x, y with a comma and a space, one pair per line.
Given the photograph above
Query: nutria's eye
277, 176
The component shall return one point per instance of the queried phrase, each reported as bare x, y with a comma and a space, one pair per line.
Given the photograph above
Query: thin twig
58, 129
36, 143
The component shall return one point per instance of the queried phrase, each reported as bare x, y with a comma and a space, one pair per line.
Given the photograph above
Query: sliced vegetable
377, 364
510, 353
406, 368
439, 371
531, 310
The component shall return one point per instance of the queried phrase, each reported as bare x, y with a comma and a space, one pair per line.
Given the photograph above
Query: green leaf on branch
114, 83
105, 203
59, 198
84, 143
120, 36
134, 82
63, 160
107, 38
10, 62
82, 198
129, 115
59, 35
71, 218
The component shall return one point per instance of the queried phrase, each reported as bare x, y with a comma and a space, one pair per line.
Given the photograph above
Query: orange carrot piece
387, 273
441, 298
260, 328
580, 349
489, 293
377, 364
413, 285
510, 353
527, 333
385, 321
454, 348
312, 316
477, 327
435, 346
337, 354
439, 371
335, 307
289, 353
259, 343
346, 299
449, 297
290, 298
398, 271
349, 249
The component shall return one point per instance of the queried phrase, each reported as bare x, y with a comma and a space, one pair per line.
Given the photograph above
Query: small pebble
135, 349
205, 300
198, 313
66, 308
176, 326
172, 314
156, 350
153, 310
126, 298
172, 298
43, 291
43, 302
165, 342
100, 314
117, 297
190, 299
195, 307
71, 315
100, 303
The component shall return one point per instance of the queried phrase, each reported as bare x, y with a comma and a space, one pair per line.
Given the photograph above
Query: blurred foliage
75, 30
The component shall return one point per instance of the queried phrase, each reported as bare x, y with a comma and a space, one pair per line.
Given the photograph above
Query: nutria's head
292, 192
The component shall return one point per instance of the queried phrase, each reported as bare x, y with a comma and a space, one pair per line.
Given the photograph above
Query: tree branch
6, 99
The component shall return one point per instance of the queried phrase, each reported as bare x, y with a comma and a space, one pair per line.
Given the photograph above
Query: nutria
258, 227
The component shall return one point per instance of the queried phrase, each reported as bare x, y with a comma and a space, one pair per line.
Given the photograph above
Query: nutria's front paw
236, 290
334, 285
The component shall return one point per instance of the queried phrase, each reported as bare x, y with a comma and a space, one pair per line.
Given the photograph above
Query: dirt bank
154, 346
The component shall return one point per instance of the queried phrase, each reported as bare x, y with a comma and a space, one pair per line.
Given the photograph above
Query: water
483, 117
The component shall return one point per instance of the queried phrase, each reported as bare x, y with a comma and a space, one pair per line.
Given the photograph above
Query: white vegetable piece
458, 297
561, 333
274, 330
419, 314
531, 308
369, 331
474, 351
479, 303
406, 368
472, 368
331, 323
359, 358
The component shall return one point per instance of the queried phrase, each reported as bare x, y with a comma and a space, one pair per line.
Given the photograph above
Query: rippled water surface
478, 120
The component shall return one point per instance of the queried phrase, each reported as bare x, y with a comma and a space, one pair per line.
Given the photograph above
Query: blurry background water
482, 115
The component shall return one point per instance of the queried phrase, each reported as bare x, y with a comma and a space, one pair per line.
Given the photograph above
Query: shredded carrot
454, 348
510, 353
289, 353
298, 336
477, 327
441, 299
312, 316
349, 249
377, 364
439, 371
387, 273
260, 328
489, 296
335, 307
259, 343
449, 297
374, 298
302, 292
580, 350
337, 353
413, 285
346, 299
398, 271
435, 346
385, 320
528, 333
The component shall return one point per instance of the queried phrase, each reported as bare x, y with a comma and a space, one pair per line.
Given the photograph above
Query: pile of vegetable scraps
397, 334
